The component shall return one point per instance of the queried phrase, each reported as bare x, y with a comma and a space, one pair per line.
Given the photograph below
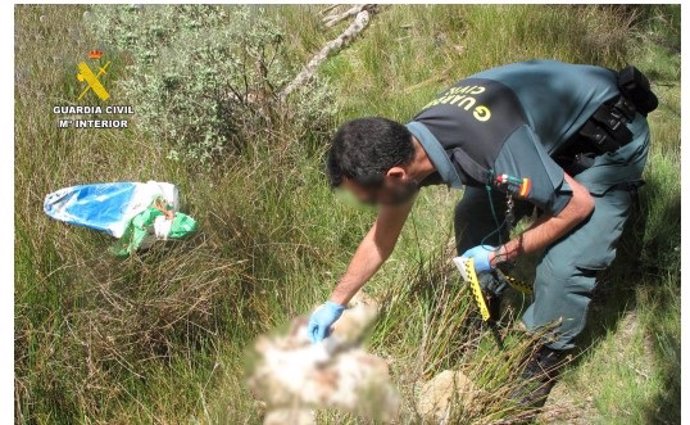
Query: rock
438, 395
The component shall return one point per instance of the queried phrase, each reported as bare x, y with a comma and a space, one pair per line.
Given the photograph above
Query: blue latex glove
481, 256
320, 322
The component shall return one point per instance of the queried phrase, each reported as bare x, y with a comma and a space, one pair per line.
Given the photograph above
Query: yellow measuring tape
469, 274
466, 267
516, 284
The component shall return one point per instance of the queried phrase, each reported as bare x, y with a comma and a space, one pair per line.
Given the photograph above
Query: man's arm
373, 251
550, 228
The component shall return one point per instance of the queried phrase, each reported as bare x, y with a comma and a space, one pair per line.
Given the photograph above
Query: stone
438, 395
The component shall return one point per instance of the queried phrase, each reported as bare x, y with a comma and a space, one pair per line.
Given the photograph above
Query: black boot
538, 378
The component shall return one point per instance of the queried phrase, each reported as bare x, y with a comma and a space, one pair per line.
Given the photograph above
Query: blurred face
398, 188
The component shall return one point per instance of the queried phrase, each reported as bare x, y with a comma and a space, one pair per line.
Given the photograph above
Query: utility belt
606, 130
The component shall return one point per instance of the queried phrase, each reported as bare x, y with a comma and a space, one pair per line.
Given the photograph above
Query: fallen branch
328, 9
332, 20
358, 24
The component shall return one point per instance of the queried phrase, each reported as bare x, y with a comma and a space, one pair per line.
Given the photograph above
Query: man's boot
538, 378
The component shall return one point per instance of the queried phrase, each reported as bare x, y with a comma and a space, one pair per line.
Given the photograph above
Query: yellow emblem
85, 74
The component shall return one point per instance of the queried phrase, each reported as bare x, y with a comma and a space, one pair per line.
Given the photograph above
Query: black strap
625, 107
606, 129
599, 137
614, 122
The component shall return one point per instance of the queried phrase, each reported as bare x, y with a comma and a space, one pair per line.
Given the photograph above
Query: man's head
371, 158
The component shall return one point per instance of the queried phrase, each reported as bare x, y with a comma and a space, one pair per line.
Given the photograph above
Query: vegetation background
161, 337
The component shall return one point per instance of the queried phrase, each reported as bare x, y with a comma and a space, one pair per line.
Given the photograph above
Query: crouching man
570, 141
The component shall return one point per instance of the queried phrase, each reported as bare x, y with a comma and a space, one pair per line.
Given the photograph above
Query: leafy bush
207, 78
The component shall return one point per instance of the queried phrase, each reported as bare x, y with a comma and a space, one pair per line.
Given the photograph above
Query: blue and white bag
107, 207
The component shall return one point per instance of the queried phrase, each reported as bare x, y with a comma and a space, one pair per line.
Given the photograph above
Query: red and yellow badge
520, 187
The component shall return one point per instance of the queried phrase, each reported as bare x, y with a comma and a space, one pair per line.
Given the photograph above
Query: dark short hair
365, 148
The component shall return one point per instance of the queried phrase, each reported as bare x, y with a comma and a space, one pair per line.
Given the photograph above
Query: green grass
161, 337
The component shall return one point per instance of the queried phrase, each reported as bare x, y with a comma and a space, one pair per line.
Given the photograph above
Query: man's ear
396, 173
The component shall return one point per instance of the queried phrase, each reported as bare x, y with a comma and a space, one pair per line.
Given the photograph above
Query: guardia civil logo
89, 75
93, 84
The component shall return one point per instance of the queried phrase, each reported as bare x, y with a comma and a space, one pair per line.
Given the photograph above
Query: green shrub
206, 78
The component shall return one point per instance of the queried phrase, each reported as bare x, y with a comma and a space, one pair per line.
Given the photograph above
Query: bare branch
329, 8
331, 20
333, 46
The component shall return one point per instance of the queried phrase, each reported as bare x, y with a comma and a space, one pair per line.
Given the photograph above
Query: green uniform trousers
566, 271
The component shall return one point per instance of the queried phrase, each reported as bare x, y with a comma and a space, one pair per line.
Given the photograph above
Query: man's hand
321, 320
482, 256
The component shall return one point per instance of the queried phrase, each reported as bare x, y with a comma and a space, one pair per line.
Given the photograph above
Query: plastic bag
152, 224
136, 213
